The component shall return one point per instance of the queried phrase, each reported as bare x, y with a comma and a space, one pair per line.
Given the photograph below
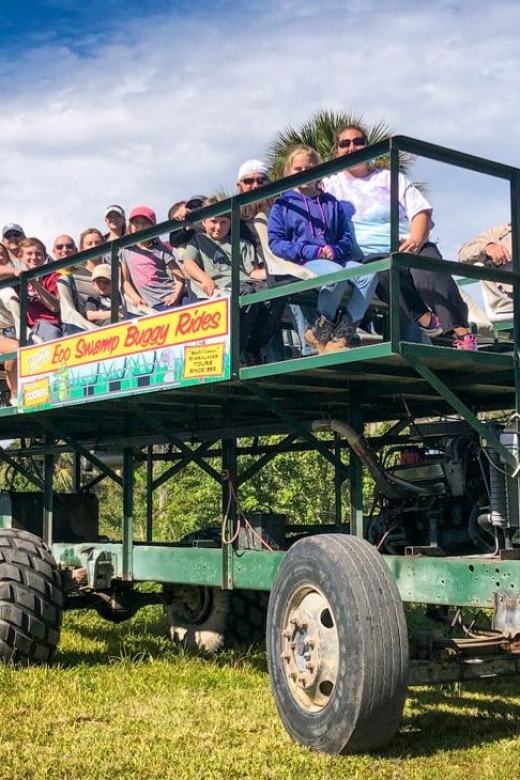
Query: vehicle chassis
339, 654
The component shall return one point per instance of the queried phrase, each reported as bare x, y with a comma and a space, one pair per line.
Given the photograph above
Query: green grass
121, 702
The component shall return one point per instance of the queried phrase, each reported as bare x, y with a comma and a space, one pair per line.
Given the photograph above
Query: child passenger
98, 306
43, 305
309, 227
150, 272
207, 261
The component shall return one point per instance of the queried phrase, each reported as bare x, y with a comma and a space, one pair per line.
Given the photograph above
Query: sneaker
433, 328
319, 336
467, 342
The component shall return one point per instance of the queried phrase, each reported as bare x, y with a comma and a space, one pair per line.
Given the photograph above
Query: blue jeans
46, 331
303, 318
71, 330
330, 295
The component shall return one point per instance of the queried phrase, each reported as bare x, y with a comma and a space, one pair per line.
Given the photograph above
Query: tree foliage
319, 131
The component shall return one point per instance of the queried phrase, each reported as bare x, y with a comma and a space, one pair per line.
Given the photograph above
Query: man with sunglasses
252, 174
63, 246
364, 189
12, 234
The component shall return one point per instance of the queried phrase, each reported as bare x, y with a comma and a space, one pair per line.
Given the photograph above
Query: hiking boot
318, 336
344, 335
250, 359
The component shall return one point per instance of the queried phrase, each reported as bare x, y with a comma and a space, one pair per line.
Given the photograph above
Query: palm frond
319, 131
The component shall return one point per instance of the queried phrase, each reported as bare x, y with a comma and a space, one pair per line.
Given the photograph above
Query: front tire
337, 645
31, 599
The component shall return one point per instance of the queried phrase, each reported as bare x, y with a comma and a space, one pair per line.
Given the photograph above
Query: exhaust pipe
393, 488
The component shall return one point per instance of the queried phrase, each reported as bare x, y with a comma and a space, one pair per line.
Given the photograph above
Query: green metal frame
377, 382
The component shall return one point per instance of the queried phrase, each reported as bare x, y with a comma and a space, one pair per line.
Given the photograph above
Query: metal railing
391, 149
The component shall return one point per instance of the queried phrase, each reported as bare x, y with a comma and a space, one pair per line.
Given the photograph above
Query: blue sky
68, 22
105, 101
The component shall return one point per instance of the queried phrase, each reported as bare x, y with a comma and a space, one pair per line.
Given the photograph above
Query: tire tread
31, 599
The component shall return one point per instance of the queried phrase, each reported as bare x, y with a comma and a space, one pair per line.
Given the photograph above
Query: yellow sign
36, 393
203, 361
204, 320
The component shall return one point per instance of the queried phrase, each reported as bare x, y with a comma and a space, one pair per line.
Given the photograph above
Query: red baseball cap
143, 211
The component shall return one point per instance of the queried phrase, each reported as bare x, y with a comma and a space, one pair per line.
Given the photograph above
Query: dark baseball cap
196, 201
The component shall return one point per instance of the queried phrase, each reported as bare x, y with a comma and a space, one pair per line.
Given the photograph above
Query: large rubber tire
337, 645
31, 599
197, 617
247, 616
204, 618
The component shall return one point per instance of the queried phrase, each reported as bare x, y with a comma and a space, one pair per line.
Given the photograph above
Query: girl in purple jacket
309, 227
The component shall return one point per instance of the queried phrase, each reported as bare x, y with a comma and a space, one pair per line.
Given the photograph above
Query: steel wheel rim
310, 649
194, 604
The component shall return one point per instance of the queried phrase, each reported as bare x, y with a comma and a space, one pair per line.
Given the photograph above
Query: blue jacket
299, 225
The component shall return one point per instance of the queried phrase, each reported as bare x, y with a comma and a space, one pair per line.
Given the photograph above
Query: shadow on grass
482, 713
437, 719
142, 638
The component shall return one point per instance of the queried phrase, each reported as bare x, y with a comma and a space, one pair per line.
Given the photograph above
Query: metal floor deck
264, 399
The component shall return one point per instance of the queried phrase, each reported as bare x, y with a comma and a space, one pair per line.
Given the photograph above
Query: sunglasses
346, 143
64, 246
255, 180
13, 235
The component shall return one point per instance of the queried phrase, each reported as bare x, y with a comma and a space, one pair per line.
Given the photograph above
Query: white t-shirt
368, 206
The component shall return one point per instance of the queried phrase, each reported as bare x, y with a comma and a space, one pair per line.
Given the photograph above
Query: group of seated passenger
314, 229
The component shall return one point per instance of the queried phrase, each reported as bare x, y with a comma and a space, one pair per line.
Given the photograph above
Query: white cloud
170, 106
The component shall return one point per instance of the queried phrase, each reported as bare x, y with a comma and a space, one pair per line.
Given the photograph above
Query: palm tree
320, 132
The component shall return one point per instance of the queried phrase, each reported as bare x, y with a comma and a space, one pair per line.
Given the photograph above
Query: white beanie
252, 166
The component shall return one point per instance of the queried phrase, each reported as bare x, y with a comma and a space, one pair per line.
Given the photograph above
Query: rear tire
197, 617
31, 599
337, 645
205, 618
247, 616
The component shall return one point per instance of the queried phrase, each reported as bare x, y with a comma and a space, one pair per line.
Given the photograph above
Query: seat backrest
82, 287
10, 310
73, 290
278, 271
476, 314
10, 314
492, 315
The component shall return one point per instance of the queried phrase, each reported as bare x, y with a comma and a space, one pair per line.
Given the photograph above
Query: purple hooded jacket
299, 225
